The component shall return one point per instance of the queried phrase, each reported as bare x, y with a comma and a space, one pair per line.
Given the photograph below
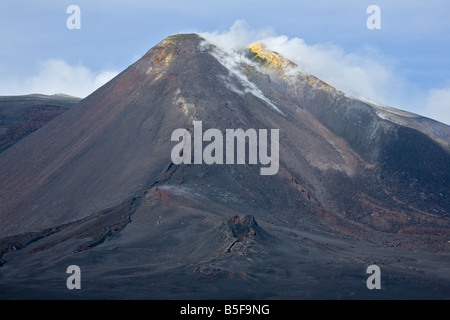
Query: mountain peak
158, 58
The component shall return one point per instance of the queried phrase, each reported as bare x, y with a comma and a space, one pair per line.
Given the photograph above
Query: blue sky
405, 64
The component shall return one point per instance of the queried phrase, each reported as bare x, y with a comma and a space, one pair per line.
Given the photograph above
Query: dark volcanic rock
96, 187
245, 228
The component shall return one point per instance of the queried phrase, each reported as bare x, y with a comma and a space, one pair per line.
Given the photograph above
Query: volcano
356, 184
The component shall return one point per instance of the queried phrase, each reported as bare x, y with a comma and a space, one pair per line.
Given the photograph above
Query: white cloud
367, 74
357, 75
238, 37
57, 76
438, 105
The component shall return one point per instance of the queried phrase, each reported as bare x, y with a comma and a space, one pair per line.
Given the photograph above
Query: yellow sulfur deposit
269, 58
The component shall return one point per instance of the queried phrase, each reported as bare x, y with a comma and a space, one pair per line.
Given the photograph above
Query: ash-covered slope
97, 187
